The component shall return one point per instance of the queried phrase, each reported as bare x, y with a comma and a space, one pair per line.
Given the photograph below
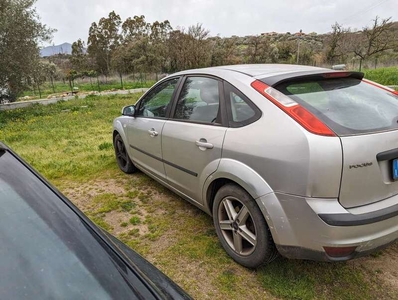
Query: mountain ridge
65, 48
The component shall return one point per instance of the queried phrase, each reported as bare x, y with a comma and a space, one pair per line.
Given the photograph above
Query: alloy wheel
237, 226
121, 153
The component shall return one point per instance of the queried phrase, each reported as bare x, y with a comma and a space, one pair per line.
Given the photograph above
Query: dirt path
161, 226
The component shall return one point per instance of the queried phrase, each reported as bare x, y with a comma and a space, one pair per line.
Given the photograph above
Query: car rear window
348, 106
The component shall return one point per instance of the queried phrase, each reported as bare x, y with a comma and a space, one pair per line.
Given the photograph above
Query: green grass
306, 280
60, 87
71, 144
385, 76
135, 220
106, 202
68, 140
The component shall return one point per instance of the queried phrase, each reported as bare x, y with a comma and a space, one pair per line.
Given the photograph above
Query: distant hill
64, 48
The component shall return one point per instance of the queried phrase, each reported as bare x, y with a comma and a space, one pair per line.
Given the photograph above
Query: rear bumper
348, 219
294, 252
302, 227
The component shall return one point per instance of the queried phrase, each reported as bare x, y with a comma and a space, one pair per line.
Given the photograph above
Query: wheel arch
118, 129
232, 171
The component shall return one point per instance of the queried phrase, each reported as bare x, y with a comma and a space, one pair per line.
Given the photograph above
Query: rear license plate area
395, 169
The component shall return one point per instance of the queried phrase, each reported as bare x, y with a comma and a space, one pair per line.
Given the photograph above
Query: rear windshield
346, 105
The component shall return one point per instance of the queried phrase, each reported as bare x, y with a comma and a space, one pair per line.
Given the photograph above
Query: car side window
199, 101
241, 110
156, 103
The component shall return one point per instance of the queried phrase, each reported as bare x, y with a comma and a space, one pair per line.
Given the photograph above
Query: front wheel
123, 160
241, 227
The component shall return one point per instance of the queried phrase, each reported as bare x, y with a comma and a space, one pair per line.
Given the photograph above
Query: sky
72, 18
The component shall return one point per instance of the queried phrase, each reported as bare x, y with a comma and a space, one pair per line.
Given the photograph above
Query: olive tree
21, 33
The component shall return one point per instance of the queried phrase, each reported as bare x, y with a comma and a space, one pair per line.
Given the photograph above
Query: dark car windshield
347, 105
46, 250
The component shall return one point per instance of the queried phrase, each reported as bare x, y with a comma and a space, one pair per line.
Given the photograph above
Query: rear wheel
241, 227
122, 157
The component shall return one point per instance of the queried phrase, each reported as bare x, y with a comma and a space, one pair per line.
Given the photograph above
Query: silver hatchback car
287, 159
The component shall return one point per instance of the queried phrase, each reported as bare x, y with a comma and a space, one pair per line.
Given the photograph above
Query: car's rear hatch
365, 117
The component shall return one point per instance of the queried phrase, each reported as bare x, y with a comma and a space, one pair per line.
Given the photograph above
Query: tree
20, 34
200, 51
160, 33
224, 51
178, 50
273, 53
120, 62
103, 39
257, 50
285, 51
50, 71
71, 75
39, 75
135, 27
335, 49
147, 43
78, 57
373, 40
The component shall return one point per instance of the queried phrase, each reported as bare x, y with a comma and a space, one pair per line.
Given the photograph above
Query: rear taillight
386, 88
293, 109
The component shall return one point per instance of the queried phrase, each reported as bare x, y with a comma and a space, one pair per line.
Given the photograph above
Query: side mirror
128, 111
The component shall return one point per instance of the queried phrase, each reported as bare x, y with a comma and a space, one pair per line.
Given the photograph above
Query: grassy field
84, 86
386, 76
70, 143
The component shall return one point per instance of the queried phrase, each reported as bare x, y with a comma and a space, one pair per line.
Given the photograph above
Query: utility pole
298, 46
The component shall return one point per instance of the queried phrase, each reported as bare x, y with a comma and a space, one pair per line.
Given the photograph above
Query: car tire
122, 157
241, 227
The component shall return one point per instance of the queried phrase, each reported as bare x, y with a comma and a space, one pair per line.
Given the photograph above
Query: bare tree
373, 40
335, 44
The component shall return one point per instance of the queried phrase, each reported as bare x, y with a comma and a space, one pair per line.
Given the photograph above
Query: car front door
192, 139
144, 130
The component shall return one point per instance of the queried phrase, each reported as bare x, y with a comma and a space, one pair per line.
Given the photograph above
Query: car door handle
203, 144
153, 132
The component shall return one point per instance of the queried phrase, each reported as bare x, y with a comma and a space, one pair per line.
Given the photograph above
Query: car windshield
347, 105
46, 250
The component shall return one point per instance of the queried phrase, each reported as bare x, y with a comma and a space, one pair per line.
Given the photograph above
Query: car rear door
144, 130
192, 139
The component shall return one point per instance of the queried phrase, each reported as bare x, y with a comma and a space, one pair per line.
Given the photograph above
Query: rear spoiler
310, 75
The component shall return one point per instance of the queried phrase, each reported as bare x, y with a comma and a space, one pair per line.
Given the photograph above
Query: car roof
267, 70
271, 74
260, 70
